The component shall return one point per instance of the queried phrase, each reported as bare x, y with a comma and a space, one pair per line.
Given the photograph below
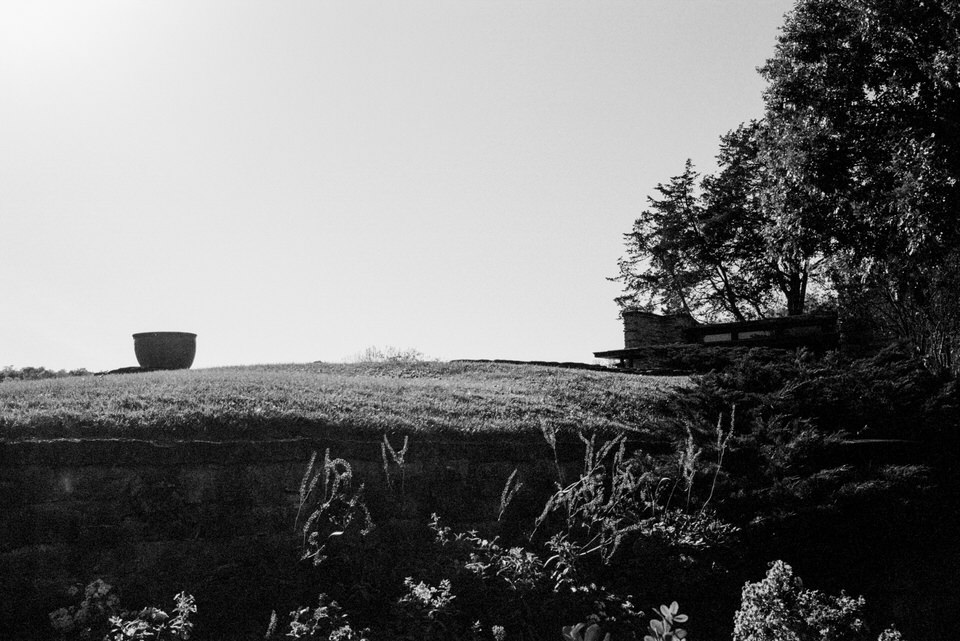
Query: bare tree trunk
730, 295
794, 289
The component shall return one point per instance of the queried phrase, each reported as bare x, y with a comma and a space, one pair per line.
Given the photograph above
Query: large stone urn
165, 350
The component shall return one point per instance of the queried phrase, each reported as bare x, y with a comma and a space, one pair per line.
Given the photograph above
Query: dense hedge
846, 467
890, 395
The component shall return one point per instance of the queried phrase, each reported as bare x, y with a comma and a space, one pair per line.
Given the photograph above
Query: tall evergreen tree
720, 250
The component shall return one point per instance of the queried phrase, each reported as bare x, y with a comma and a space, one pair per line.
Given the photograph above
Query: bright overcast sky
298, 180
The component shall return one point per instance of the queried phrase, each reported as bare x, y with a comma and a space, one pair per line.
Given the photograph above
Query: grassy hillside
291, 400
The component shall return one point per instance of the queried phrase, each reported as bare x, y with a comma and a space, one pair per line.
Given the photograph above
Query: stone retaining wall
156, 517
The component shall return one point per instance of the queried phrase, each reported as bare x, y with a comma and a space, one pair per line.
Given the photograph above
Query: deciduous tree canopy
854, 172
724, 247
864, 101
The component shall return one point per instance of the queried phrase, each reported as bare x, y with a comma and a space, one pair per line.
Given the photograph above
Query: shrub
426, 612
890, 395
583, 632
779, 608
326, 622
154, 624
388, 354
37, 373
90, 619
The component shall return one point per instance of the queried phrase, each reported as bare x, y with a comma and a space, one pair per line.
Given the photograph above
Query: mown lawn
298, 400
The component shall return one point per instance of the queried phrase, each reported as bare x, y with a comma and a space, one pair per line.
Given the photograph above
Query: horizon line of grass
298, 399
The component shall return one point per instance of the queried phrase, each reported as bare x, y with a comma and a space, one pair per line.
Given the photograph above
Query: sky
299, 180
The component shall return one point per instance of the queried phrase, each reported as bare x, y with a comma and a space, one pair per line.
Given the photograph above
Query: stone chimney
646, 328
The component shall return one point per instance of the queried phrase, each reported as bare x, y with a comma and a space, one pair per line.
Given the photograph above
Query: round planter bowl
165, 350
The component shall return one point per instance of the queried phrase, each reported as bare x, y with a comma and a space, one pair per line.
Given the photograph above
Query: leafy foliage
583, 632
850, 183
471, 581
629, 524
664, 628
662, 270
425, 611
779, 608
523, 592
154, 624
9, 373
90, 619
890, 395
389, 354
724, 249
99, 617
806, 430
862, 101
326, 622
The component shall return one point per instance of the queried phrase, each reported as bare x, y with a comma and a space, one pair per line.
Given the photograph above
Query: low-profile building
645, 334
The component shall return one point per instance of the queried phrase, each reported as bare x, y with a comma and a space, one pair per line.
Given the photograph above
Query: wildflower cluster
154, 624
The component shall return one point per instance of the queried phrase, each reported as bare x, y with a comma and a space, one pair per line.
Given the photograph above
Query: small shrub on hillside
98, 617
389, 354
425, 612
153, 624
779, 608
523, 592
510, 586
890, 634
783, 464
90, 619
326, 622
